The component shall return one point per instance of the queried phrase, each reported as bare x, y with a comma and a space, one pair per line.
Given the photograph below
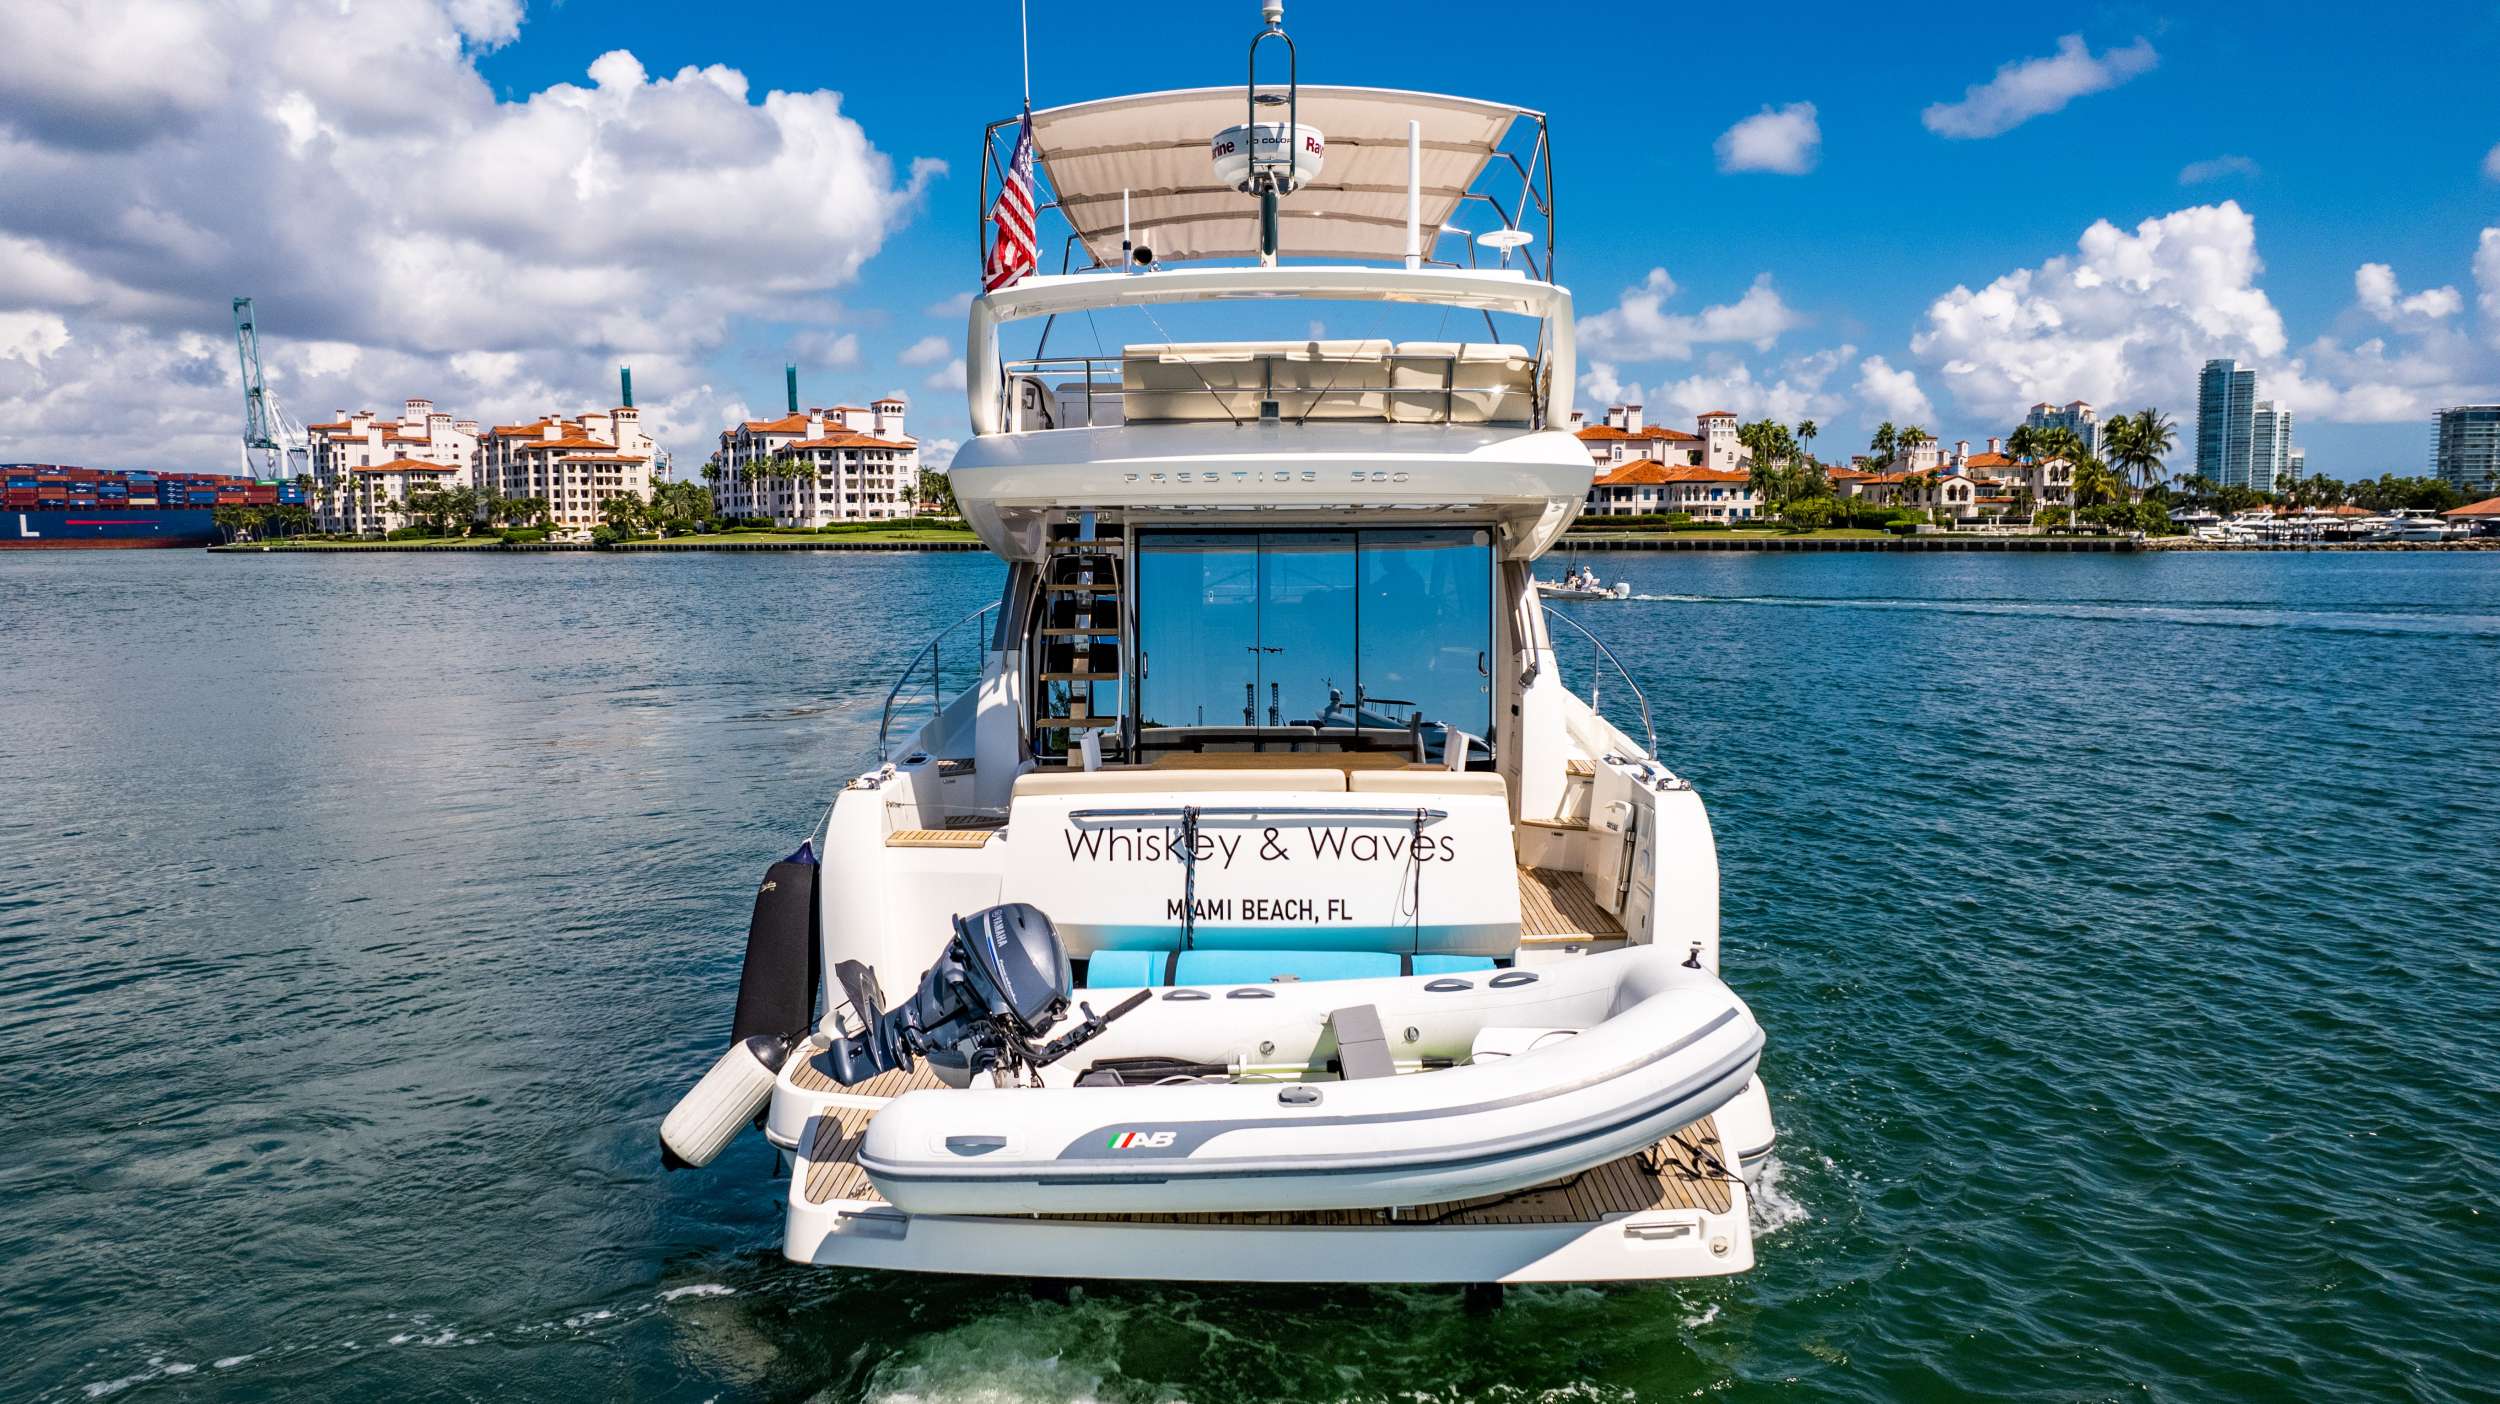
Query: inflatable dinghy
1340, 1094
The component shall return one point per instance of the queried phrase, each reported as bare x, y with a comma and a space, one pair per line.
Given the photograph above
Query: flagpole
1024, 25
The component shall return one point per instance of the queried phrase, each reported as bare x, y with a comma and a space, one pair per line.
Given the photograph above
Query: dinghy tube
776, 1004
1659, 1045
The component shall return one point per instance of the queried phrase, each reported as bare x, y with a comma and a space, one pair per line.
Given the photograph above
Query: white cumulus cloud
2374, 286
927, 351
1893, 394
1639, 328
349, 168
2028, 88
2129, 317
947, 377
1784, 140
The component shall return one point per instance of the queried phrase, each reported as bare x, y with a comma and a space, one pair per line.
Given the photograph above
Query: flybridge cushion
1479, 382
1428, 382
1125, 969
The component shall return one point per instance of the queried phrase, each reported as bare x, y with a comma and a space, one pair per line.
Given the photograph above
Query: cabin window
1355, 634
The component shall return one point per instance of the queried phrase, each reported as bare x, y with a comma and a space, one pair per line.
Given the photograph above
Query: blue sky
2330, 140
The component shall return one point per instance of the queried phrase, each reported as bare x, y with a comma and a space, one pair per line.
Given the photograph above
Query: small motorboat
1334, 1094
1584, 586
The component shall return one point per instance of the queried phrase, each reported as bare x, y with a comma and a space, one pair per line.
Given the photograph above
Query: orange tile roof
787, 424
847, 439
1988, 460
2488, 507
570, 442
1648, 472
1607, 433
406, 465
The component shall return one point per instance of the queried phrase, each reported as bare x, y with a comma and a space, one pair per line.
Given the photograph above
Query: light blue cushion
1124, 969
1261, 967
1112, 970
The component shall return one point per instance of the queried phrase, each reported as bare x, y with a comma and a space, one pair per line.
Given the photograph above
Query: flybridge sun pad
1419, 382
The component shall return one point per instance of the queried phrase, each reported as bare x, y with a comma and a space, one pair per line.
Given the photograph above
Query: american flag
1012, 252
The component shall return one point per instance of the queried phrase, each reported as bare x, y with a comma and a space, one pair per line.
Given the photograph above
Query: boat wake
1775, 1206
2215, 614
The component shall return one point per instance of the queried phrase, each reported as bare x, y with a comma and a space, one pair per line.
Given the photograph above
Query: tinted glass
1427, 626
1198, 630
1372, 629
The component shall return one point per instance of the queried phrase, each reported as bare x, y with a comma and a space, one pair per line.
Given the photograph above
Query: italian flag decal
1124, 1140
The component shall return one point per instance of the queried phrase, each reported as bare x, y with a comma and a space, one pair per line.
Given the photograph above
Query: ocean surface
2127, 930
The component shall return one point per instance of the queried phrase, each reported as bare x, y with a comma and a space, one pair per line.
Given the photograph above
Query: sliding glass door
1311, 633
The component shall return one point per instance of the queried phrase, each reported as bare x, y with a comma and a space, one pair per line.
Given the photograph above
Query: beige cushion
1428, 782
1127, 780
1309, 379
1472, 382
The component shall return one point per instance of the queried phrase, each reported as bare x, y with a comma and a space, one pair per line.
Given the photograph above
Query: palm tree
2136, 442
1884, 445
1914, 437
1806, 430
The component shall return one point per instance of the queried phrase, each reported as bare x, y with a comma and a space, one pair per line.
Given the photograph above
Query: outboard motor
1000, 984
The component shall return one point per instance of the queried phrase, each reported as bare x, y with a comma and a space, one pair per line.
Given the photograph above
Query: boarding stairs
1079, 672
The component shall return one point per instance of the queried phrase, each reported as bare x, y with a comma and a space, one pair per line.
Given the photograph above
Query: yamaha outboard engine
1001, 983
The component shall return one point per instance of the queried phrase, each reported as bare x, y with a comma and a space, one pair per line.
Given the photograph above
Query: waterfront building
377, 500
2465, 448
344, 498
2077, 415
2226, 410
812, 468
1624, 438
1645, 486
2270, 446
573, 463
1720, 450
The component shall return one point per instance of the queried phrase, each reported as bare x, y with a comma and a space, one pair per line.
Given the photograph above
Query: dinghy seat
1123, 970
1362, 1045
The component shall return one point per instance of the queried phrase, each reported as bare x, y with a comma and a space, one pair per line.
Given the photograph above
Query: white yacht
1277, 903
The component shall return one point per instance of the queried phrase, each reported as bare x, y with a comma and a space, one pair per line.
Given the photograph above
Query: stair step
937, 838
1107, 675
1079, 724
1106, 631
1082, 589
1580, 769
1563, 825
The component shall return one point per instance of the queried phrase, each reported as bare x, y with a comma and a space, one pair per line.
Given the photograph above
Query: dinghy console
999, 986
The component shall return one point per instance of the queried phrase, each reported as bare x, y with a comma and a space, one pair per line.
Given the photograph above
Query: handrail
1620, 671
885, 724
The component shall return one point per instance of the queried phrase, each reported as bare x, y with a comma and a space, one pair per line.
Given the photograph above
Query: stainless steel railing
937, 682
1608, 655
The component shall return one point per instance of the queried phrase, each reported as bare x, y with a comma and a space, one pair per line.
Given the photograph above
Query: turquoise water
2127, 930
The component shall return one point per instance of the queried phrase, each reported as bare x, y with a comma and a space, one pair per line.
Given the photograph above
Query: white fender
708, 1118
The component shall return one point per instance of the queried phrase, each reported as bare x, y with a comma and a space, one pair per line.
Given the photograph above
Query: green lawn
813, 537
358, 545
1625, 533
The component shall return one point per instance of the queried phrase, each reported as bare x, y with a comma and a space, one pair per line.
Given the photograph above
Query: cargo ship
51, 505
